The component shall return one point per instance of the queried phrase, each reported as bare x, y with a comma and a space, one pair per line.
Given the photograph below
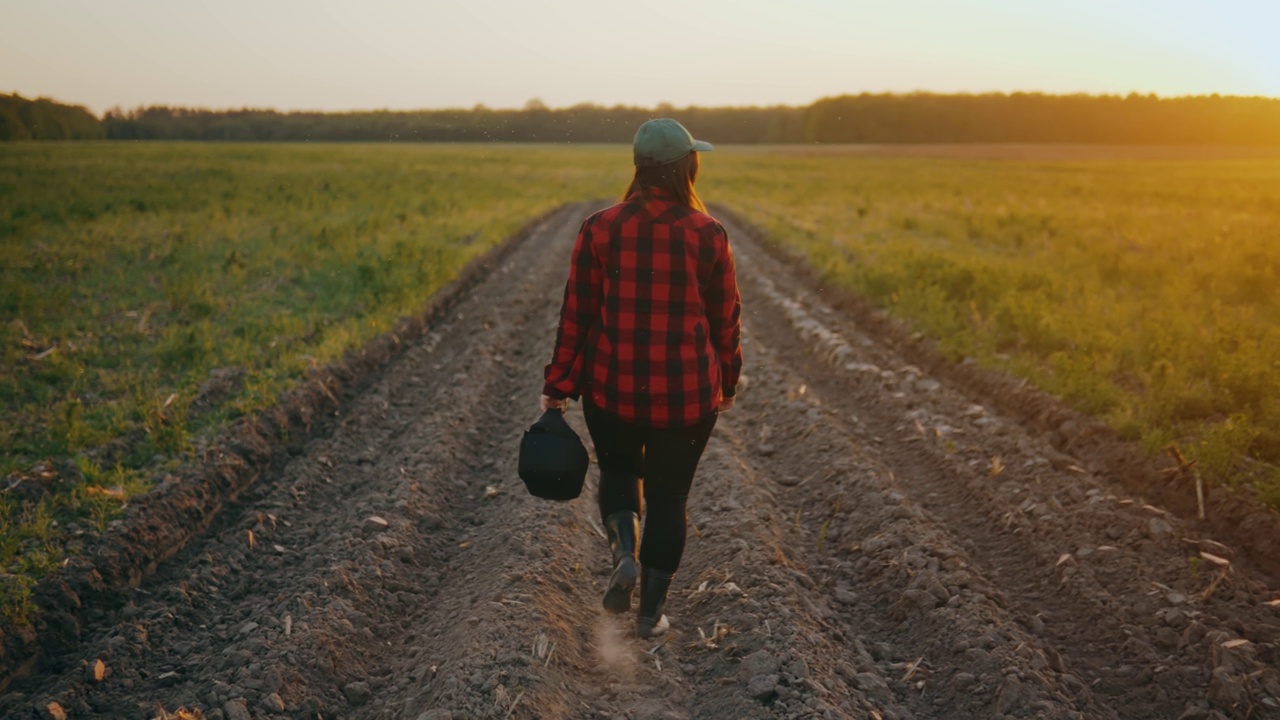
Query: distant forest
866, 118
23, 119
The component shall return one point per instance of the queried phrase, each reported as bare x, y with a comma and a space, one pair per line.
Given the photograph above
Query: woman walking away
649, 339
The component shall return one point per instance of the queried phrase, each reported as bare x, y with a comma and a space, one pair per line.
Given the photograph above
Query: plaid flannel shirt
651, 321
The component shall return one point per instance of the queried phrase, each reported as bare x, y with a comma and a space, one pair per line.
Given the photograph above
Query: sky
403, 54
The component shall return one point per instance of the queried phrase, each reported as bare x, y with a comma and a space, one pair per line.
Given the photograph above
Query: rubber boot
623, 527
650, 622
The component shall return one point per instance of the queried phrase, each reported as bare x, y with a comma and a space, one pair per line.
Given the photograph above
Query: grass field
1142, 290
153, 292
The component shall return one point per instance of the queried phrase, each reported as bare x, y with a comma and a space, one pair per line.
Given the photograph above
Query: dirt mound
867, 541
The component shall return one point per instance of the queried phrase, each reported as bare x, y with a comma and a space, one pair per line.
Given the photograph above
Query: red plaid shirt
650, 326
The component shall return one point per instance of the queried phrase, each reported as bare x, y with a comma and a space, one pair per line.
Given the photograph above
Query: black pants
666, 460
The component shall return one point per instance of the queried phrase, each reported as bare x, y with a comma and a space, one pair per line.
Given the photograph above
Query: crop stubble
855, 551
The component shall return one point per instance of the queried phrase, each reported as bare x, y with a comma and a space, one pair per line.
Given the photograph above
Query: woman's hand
546, 403
726, 403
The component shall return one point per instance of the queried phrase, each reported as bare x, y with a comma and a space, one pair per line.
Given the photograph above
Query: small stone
846, 597
759, 662
798, 669
1195, 632
928, 385
375, 523
236, 710
1158, 528
273, 702
964, 680
1011, 695
1194, 712
762, 687
357, 693
1035, 624
1166, 639
874, 687
167, 679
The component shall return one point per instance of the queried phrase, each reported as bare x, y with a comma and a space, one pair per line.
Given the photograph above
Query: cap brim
702, 146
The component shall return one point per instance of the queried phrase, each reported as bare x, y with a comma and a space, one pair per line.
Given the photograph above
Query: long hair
677, 178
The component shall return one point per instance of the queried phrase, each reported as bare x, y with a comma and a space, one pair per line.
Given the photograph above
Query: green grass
152, 293
131, 272
1144, 292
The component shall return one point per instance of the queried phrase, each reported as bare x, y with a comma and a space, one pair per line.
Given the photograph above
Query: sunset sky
402, 54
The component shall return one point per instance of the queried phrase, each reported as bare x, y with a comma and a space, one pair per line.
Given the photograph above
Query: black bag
553, 462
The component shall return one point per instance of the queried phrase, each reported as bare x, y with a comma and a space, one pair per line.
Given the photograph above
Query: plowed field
868, 540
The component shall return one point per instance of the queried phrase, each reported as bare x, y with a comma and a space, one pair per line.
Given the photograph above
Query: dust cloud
616, 653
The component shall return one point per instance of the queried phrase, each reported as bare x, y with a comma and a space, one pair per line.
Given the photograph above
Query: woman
649, 339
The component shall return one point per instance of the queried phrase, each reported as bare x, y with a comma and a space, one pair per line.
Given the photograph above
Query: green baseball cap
663, 141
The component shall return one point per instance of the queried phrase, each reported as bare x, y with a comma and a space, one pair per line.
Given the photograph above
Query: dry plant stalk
514, 703
1188, 466
324, 388
912, 667
1215, 559
1213, 586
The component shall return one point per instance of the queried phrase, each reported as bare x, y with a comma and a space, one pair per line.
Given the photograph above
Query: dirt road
867, 541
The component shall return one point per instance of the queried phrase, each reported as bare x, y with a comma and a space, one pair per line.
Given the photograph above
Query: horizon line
529, 104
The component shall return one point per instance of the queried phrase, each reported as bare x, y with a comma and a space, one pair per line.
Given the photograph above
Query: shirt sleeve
563, 375
724, 314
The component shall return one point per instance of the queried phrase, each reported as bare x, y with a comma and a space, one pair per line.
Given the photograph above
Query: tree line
865, 118
1038, 118
44, 119
535, 123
